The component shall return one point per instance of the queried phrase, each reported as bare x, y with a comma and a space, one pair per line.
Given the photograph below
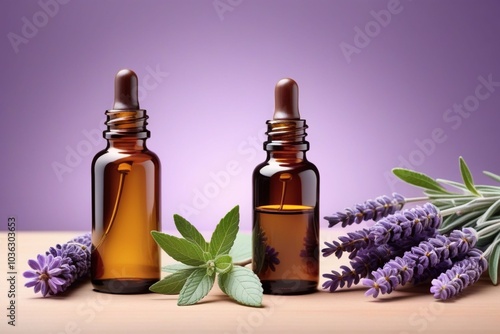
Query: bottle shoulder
108, 156
271, 167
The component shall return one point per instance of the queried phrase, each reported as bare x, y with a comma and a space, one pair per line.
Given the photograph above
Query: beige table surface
81, 310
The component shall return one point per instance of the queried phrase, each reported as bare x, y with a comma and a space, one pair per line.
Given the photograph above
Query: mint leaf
181, 250
172, 268
225, 232
189, 232
418, 179
242, 285
467, 177
172, 284
194, 277
242, 248
223, 264
197, 286
220, 281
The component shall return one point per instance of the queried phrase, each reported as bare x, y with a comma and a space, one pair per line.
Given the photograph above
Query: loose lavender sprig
428, 255
401, 229
376, 209
60, 267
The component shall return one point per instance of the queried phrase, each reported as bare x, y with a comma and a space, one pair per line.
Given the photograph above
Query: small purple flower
404, 269
374, 288
376, 209
424, 255
46, 274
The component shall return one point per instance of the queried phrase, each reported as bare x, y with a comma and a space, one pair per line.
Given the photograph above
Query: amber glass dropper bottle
286, 203
125, 198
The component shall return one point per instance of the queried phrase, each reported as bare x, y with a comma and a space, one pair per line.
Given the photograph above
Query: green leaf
467, 177
189, 232
490, 212
242, 285
172, 268
197, 286
225, 233
221, 283
458, 221
181, 250
242, 248
493, 264
418, 179
223, 264
452, 183
172, 284
493, 176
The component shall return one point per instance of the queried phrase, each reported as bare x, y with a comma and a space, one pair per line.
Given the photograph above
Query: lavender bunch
402, 248
60, 267
469, 205
372, 247
432, 256
376, 209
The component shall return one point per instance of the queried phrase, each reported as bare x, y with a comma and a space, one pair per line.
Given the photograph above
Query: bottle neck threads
126, 124
286, 135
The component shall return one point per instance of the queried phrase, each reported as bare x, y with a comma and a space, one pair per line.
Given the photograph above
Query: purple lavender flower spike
332, 248
46, 273
463, 274
362, 265
370, 210
422, 260
351, 243
403, 229
348, 277
416, 224
60, 267
368, 260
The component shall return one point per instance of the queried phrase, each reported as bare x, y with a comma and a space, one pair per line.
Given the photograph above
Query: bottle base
123, 285
289, 287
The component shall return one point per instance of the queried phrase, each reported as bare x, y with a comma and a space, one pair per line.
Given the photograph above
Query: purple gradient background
363, 115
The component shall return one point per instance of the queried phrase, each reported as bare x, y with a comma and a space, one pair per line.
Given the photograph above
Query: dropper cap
286, 100
286, 131
126, 118
126, 90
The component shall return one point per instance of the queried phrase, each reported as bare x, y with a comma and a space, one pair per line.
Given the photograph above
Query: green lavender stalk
475, 206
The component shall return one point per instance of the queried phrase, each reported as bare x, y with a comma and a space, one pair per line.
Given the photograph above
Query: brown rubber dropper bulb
126, 90
286, 99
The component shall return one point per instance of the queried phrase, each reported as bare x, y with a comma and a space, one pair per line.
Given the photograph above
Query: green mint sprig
476, 206
201, 261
